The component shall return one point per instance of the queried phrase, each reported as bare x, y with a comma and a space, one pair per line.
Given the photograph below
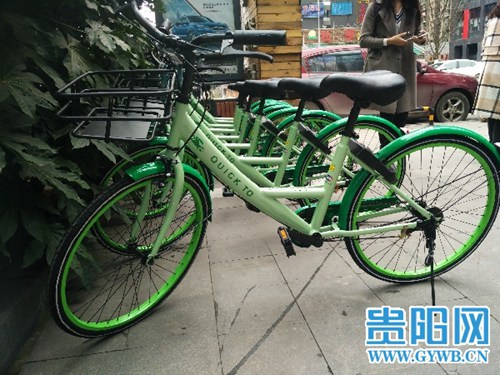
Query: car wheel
451, 107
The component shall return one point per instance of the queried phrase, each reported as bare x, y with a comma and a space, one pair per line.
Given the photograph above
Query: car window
350, 62
465, 64
316, 64
342, 61
449, 65
196, 19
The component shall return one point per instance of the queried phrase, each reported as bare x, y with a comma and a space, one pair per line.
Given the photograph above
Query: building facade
466, 37
332, 22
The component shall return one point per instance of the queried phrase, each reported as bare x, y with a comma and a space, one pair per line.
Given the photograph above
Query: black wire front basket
130, 105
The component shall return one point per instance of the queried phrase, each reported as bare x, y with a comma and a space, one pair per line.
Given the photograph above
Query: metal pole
319, 27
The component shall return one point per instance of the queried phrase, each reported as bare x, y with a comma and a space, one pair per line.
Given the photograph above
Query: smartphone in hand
408, 35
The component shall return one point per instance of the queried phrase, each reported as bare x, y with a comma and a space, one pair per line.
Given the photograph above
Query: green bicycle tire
96, 292
456, 178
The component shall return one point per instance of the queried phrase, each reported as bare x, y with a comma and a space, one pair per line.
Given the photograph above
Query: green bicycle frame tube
244, 180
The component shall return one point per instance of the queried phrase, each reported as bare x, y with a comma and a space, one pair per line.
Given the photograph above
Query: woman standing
488, 96
389, 30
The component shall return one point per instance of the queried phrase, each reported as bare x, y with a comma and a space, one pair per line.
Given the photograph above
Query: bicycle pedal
226, 192
286, 241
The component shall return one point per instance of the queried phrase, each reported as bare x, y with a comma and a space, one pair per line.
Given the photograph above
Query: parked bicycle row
413, 210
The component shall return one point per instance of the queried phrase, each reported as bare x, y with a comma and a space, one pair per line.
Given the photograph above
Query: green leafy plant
46, 175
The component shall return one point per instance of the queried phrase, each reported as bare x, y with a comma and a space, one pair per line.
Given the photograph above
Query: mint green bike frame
237, 173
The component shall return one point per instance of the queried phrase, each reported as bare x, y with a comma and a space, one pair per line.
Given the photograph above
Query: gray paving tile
232, 249
109, 363
53, 343
231, 223
251, 294
193, 315
285, 349
180, 354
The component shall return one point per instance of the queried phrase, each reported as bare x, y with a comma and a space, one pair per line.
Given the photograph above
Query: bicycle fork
176, 188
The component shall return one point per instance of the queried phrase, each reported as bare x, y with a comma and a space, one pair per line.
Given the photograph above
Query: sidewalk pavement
245, 308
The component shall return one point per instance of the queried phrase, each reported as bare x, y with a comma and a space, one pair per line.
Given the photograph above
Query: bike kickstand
430, 234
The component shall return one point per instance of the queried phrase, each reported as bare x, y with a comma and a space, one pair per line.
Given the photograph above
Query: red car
451, 94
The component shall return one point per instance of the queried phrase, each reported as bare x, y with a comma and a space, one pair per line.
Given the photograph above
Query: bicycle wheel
453, 177
314, 120
102, 287
312, 166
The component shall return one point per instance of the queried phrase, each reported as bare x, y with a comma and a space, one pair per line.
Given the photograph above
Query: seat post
300, 109
261, 105
353, 117
249, 103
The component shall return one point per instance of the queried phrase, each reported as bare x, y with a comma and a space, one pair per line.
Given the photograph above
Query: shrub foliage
46, 175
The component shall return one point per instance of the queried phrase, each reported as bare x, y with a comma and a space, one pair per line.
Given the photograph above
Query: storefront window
457, 30
474, 22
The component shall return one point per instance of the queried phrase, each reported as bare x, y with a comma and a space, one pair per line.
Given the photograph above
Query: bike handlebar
168, 40
250, 37
240, 37
230, 52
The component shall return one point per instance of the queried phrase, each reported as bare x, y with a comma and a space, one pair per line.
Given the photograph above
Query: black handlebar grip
234, 53
211, 38
247, 37
260, 37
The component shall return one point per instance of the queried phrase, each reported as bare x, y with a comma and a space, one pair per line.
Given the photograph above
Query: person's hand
399, 40
420, 38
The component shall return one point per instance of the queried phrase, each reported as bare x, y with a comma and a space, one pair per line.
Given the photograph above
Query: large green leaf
79, 142
11, 138
8, 219
34, 251
91, 5
44, 65
103, 37
112, 148
105, 149
54, 237
24, 87
47, 171
35, 223
100, 36
76, 60
52, 176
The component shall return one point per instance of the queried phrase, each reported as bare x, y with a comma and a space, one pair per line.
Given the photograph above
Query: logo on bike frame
198, 143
